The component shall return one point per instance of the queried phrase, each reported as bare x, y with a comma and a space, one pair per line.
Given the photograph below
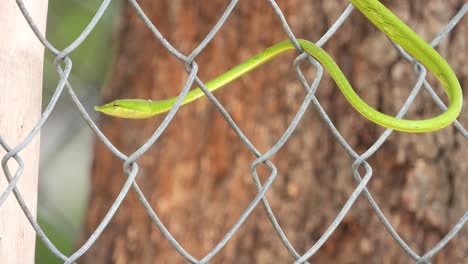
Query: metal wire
64, 65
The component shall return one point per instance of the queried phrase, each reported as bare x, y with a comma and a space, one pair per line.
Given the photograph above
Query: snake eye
116, 104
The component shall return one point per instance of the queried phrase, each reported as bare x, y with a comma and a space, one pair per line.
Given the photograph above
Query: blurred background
66, 141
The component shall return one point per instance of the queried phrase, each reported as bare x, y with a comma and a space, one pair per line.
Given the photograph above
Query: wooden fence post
21, 63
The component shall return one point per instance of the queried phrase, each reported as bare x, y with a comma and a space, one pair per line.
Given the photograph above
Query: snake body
383, 19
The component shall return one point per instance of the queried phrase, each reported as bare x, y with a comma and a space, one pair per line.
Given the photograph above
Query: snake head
127, 108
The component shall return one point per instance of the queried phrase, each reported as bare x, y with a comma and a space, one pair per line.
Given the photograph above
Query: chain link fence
64, 65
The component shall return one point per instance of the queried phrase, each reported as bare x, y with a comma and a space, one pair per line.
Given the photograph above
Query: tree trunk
197, 177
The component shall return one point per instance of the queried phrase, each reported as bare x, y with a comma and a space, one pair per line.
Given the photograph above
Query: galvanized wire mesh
63, 67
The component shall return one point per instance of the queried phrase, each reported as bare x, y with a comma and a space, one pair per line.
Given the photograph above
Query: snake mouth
106, 108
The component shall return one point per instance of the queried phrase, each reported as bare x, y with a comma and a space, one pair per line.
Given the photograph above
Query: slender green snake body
383, 19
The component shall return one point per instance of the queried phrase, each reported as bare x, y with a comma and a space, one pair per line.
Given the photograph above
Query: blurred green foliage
64, 241
91, 65
92, 59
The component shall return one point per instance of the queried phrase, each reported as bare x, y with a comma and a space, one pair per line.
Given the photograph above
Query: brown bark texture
197, 177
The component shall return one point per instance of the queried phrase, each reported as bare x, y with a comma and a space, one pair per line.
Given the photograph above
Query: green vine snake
383, 19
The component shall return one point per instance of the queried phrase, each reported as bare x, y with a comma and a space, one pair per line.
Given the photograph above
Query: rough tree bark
196, 176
